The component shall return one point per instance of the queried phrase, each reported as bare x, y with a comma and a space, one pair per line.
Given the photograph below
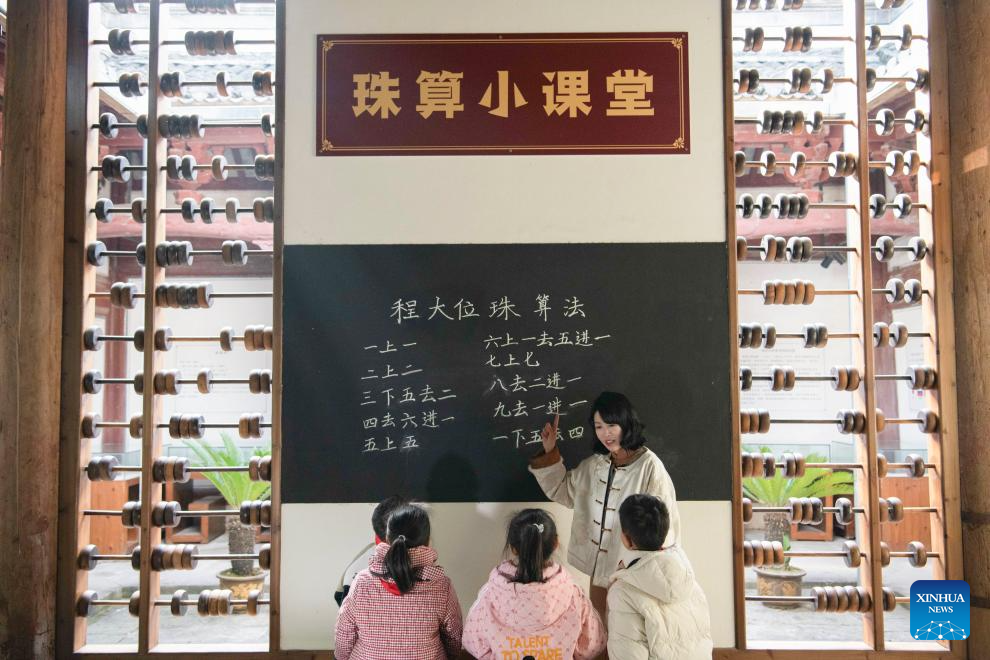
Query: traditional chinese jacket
376, 622
595, 489
551, 619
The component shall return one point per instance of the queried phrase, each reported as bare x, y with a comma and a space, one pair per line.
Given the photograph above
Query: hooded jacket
376, 622
595, 489
657, 610
549, 619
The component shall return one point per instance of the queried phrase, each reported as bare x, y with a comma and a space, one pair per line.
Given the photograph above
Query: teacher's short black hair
645, 520
615, 408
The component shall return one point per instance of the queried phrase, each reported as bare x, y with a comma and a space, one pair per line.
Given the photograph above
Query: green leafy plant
235, 488
777, 491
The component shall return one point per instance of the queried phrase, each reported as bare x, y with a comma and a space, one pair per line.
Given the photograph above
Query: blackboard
426, 369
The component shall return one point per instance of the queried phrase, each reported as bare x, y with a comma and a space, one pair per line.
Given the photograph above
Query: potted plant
777, 492
235, 487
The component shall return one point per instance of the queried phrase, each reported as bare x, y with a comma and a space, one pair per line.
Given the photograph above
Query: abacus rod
827, 292
805, 421
837, 335
115, 83
233, 124
787, 509
220, 468
879, 291
903, 421
835, 466
106, 294
911, 554
105, 42
101, 512
248, 294
198, 470
230, 425
109, 602
232, 601
129, 168
882, 165
204, 339
115, 381
112, 557
238, 42
824, 248
891, 377
227, 557
758, 120
784, 39
820, 553
219, 513
782, 599
176, 209
807, 378
113, 425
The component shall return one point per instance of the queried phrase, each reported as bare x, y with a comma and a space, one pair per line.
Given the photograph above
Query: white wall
364, 200
492, 199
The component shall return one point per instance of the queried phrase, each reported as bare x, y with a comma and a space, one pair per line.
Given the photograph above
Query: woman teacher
620, 466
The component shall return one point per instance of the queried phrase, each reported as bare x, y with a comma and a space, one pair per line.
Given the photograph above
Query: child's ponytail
408, 527
532, 534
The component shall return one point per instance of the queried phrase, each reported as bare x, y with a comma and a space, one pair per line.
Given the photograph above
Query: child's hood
534, 606
663, 574
421, 557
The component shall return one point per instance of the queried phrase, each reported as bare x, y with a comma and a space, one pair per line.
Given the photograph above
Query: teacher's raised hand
549, 435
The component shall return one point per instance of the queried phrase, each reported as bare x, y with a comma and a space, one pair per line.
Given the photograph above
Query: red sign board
502, 94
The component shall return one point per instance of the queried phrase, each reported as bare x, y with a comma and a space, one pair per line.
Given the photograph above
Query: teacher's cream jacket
596, 544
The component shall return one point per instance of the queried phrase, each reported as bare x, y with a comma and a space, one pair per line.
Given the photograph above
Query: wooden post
968, 88
31, 214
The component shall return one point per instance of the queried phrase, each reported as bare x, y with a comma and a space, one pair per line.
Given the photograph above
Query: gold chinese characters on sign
623, 93
566, 94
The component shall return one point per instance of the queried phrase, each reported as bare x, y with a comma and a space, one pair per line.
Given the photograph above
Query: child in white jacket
656, 608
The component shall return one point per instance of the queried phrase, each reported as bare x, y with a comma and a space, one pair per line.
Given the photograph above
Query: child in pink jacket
530, 606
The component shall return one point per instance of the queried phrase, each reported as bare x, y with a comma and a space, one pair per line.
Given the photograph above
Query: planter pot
241, 585
779, 582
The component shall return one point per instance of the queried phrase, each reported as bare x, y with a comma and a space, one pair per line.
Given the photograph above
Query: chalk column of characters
396, 413
523, 384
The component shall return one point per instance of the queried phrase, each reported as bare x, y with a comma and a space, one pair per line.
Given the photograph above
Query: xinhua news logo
939, 610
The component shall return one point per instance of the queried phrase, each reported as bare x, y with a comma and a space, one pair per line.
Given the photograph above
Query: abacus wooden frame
938, 316
78, 309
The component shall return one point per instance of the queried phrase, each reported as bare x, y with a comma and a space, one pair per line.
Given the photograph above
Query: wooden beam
78, 312
966, 87
31, 212
274, 587
738, 528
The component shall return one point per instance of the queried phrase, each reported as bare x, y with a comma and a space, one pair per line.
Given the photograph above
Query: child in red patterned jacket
403, 605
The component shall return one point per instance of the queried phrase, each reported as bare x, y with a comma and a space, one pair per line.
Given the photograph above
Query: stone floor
113, 625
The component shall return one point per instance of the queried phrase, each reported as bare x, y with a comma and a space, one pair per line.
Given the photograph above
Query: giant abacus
855, 107
149, 39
